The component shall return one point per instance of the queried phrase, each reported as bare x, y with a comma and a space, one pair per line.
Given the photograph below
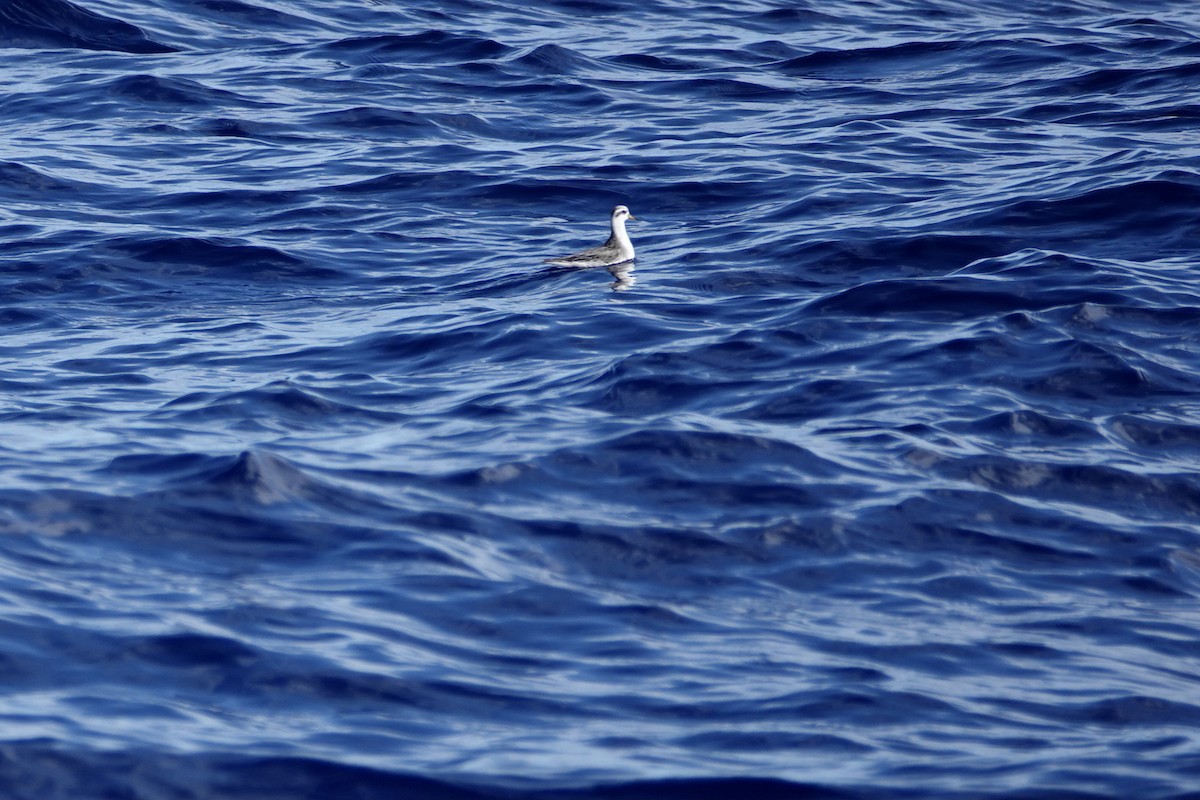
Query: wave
1153, 207
19, 181
433, 46
282, 398
81, 771
209, 774
957, 297
185, 255
52, 24
169, 91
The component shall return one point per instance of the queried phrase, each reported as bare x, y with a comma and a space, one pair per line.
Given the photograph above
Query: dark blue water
878, 476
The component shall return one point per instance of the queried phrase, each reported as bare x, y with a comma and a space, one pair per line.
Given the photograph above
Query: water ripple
873, 477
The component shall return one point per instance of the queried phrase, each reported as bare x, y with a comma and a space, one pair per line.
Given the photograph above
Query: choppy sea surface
875, 476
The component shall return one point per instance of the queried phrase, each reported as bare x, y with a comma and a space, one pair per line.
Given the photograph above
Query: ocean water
875, 476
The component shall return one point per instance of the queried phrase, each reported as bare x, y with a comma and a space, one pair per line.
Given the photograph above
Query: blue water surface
875, 476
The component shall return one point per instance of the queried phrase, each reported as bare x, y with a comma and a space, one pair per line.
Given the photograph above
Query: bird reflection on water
623, 277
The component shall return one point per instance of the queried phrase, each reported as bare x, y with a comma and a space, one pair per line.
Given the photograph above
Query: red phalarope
617, 250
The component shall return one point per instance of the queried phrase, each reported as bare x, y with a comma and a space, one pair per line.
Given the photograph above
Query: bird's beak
631, 216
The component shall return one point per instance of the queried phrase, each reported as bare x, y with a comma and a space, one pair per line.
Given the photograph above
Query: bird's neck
619, 237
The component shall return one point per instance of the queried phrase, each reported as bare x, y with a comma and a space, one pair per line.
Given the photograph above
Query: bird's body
618, 249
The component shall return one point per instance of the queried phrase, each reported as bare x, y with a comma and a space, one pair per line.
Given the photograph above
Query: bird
617, 250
